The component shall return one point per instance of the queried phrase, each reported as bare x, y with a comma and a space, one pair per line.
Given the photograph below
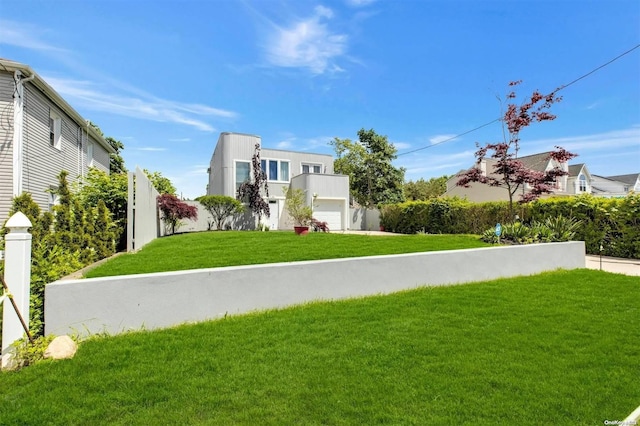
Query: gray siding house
41, 135
326, 192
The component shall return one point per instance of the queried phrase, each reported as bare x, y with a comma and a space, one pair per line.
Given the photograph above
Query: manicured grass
556, 348
215, 249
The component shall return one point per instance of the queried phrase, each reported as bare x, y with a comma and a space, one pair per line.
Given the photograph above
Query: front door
274, 212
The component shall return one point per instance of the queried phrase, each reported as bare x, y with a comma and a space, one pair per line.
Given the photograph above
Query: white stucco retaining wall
116, 304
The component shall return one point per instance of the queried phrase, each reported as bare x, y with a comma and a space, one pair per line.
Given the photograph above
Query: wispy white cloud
432, 165
615, 139
285, 144
198, 170
111, 95
149, 148
401, 145
104, 99
359, 3
289, 141
307, 43
441, 138
180, 140
27, 36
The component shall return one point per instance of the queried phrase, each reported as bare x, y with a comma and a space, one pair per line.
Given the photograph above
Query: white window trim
57, 130
54, 199
90, 161
582, 178
311, 165
280, 161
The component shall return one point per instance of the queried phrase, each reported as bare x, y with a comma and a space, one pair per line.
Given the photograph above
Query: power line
564, 86
451, 138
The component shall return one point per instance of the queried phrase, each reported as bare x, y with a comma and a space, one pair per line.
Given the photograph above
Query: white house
577, 181
616, 186
326, 192
41, 135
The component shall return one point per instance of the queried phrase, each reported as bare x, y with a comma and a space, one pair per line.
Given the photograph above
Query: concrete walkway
614, 264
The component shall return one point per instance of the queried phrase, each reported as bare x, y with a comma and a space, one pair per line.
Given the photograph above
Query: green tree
116, 162
422, 190
112, 190
162, 184
220, 207
368, 161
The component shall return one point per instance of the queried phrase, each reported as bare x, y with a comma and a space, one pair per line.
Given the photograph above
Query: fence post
17, 274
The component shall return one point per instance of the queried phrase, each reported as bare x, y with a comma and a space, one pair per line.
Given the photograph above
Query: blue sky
166, 77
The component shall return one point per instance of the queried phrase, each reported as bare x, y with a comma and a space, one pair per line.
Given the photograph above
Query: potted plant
298, 210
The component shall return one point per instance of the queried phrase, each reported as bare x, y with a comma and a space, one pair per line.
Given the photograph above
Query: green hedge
613, 223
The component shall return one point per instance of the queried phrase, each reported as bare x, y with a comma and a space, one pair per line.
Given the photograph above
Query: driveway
614, 264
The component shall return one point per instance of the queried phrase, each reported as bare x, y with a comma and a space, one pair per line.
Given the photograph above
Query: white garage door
329, 211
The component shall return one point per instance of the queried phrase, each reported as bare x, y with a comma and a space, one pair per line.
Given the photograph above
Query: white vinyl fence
143, 223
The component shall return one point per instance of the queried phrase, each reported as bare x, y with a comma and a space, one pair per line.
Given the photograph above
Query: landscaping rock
62, 347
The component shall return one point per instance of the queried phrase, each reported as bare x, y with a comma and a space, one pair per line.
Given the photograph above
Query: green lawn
556, 348
215, 249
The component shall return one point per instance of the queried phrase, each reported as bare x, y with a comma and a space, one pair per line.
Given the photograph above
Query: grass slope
215, 249
556, 348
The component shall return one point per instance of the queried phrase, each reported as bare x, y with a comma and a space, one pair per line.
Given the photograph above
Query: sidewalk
614, 264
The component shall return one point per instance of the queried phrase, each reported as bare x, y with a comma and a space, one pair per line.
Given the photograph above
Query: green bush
75, 237
613, 224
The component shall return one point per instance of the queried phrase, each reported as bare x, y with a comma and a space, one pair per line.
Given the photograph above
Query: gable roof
576, 169
536, 161
630, 179
49, 92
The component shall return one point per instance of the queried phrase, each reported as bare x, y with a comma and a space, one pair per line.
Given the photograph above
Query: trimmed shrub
613, 224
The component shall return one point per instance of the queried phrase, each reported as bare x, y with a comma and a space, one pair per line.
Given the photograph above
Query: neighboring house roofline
630, 179
48, 91
606, 178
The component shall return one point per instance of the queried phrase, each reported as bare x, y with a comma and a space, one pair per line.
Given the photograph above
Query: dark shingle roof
536, 161
629, 179
575, 169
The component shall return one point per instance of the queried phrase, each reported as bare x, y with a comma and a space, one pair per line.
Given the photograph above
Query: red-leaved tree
253, 189
173, 210
509, 172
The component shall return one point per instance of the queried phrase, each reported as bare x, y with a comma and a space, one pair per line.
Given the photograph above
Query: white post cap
18, 222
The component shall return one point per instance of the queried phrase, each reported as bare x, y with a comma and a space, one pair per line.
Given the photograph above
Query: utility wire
564, 86
451, 138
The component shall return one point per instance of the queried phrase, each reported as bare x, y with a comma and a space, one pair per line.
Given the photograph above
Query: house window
275, 169
53, 197
55, 130
311, 168
90, 154
583, 183
242, 173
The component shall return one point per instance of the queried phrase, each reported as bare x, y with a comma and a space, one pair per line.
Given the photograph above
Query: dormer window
583, 183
